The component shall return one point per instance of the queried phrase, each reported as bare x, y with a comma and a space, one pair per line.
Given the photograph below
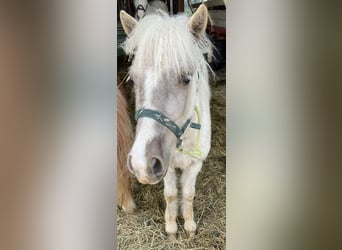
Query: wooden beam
210, 3
180, 5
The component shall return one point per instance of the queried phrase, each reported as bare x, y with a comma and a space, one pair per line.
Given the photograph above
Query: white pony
172, 98
144, 7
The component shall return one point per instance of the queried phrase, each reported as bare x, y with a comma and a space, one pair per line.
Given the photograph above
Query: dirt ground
145, 228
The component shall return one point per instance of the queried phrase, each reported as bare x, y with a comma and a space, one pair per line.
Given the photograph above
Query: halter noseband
141, 7
167, 122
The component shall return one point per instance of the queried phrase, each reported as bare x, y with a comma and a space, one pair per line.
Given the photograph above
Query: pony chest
181, 160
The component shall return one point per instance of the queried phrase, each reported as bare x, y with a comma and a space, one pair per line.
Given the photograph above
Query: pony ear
198, 21
128, 22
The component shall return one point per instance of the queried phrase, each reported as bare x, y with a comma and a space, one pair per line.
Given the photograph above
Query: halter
141, 7
167, 122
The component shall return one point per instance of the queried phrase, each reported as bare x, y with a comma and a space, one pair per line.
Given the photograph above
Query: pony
144, 7
125, 138
172, 98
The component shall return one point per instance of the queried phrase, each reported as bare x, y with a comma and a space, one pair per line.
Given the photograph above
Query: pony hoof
129, 207
129, 210
172, 236
192, 234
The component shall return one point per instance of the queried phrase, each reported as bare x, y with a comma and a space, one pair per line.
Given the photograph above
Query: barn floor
145, 228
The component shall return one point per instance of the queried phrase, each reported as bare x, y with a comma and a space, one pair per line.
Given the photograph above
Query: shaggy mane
165, 42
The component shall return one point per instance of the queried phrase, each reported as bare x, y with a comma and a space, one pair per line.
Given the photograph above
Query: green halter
177, 131
196, 152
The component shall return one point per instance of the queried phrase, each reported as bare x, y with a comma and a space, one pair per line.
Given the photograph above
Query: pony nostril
129, 164
156, 166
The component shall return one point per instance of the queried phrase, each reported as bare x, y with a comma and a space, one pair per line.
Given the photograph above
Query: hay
145, 228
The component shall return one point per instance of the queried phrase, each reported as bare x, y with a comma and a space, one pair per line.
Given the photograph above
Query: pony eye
185, 80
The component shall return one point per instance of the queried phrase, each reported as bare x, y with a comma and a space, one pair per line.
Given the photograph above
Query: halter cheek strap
167, 122
196, 151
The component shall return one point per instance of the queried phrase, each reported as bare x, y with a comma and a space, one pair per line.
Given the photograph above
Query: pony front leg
188, 180
170, 194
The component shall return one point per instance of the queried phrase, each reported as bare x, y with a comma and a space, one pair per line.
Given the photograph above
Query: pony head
140, 8
168, 69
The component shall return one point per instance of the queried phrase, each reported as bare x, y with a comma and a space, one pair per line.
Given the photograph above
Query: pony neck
203, 92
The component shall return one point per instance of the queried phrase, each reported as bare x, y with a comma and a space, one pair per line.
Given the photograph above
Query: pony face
170, 94
168, 58
140, 8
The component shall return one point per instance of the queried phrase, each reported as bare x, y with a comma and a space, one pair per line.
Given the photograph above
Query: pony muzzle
146, 172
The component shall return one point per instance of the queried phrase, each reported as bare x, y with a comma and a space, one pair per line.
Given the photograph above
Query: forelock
165, 43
